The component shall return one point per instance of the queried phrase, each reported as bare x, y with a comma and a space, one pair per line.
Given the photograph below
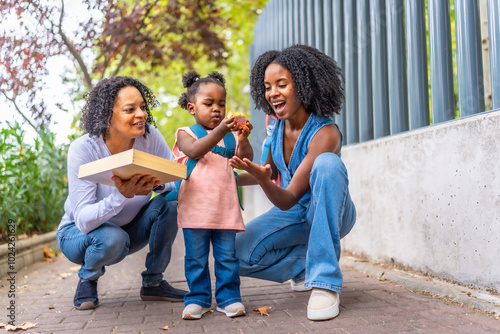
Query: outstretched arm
326, 140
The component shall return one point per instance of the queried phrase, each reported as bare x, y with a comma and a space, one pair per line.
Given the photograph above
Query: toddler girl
208, 209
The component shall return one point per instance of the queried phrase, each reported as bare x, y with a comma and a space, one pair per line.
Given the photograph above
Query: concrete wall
427, 199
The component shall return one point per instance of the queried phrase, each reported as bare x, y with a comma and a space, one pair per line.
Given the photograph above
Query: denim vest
313, 125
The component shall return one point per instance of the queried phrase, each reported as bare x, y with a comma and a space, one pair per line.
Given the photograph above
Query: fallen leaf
48, 253
263, 310
64, 275
75, 268
25, 326
48, 259
51, 307
165, 328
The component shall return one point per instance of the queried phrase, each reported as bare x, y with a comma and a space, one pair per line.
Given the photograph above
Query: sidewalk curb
473, 298
26, 252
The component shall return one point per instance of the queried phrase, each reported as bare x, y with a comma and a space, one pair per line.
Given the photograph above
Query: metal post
276, 25
309, 18
319, 26
303, 22
398, 100
494, 33
338, 55
280, 31
364, 71
443, 105
289, 23
379, 69
351, 73
328, 27
416, 53
469, 59
297, 31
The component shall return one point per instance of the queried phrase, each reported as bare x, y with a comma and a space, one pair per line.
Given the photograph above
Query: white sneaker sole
189, 316
239, 313
326, 313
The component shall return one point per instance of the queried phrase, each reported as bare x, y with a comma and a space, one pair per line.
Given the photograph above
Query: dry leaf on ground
262, 310
48, 253
166, 328
10, 328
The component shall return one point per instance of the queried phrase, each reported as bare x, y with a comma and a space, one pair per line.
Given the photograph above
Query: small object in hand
241, 119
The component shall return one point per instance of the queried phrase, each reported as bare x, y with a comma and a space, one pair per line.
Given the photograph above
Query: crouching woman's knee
111, 241
328, 165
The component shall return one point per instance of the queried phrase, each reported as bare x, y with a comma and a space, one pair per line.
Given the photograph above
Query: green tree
166, 82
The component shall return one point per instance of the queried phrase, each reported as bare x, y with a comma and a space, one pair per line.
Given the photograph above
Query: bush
33, 183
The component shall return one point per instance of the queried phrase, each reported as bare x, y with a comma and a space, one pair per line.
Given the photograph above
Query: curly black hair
192, 81
317, 79
100, 101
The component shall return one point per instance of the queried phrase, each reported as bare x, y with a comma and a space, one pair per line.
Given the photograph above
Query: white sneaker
299, 287
194, 312
323, 305
233, 310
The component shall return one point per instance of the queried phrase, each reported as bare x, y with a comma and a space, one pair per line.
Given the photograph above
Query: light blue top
312, 126
90, 204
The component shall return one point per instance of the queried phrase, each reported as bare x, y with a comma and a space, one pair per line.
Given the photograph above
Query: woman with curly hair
103, 224
299, 238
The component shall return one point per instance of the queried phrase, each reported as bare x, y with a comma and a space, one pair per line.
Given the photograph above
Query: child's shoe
194, 312
233, 310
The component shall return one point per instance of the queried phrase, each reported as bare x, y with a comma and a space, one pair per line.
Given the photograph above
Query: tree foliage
112, 36
240, 16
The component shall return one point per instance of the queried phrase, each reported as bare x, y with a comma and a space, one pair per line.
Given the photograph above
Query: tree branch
87, 80
13, 101
130, 40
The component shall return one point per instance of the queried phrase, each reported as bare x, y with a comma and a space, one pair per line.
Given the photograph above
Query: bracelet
159, 187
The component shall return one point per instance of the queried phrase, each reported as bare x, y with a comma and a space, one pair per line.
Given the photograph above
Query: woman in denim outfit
299, 238
103, 224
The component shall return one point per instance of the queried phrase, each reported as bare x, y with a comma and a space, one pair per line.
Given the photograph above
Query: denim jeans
155, 224
304, 241
227, 280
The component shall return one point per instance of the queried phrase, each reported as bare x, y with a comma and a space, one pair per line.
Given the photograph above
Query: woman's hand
137, 185
260, 173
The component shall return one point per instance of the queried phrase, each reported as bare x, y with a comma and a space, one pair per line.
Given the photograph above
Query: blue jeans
227, 280
304, 241
155, 224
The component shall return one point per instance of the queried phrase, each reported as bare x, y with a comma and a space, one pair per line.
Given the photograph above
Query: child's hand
228, 125
244, 132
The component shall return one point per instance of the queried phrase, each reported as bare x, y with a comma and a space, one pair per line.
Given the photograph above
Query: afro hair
317, 79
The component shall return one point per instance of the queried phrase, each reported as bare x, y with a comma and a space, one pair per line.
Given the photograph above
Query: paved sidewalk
44, 295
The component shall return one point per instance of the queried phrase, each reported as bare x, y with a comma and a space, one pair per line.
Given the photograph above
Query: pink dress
208, 198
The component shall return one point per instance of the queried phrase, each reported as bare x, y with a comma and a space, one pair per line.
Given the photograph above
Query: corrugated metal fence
381, 45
